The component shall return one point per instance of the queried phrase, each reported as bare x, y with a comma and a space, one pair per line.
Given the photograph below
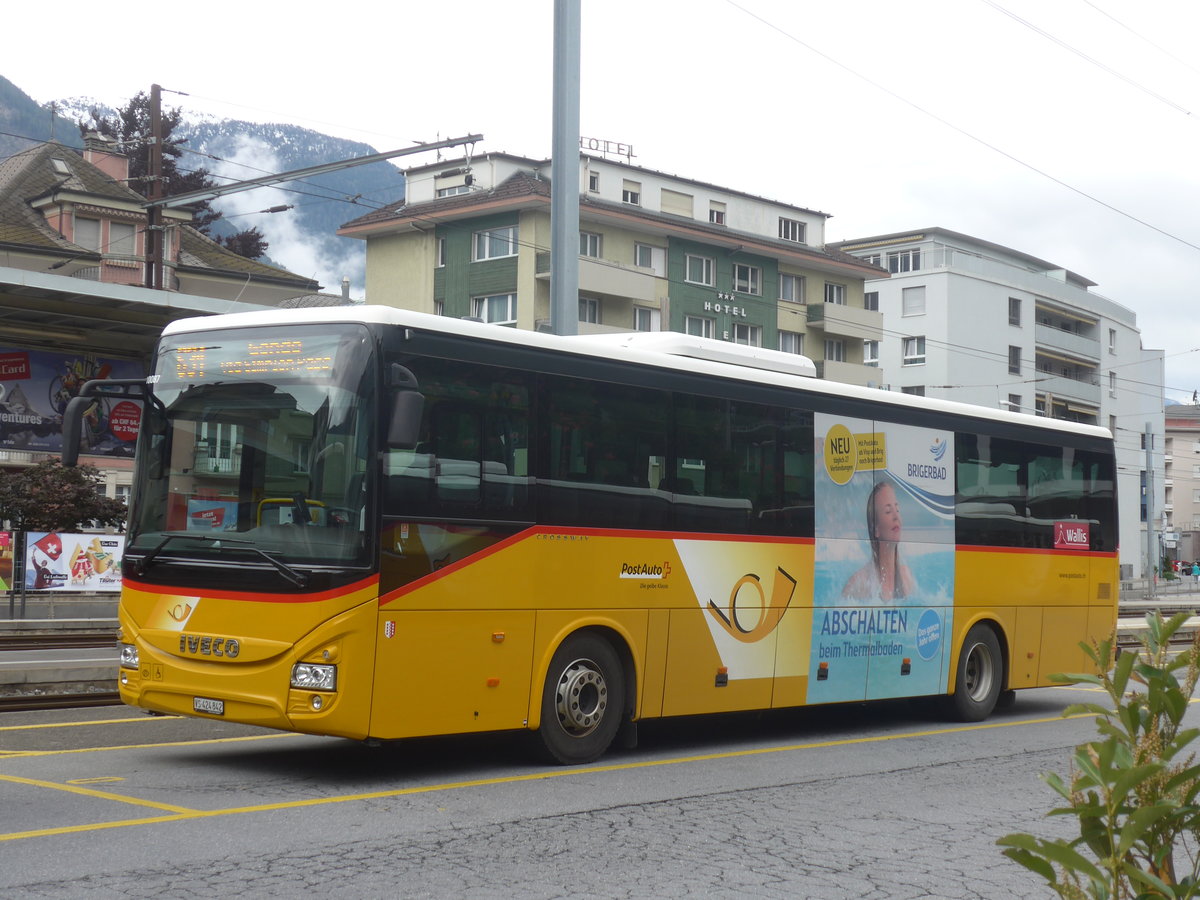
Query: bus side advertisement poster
35, 388
883, 575
57, 561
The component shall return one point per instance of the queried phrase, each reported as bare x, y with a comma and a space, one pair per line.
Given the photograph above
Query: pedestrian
1196, 573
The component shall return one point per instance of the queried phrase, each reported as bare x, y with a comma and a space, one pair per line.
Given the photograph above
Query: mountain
302, 239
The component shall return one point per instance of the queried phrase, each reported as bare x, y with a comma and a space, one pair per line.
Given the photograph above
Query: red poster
1072, 535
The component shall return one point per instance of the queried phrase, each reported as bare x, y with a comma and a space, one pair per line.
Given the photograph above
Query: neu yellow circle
841, 454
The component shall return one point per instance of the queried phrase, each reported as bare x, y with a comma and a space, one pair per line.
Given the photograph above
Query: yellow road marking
17, 754
89, 792
182, 814
95, 722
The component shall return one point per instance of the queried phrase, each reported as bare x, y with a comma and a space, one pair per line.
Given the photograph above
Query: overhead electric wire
959, 130
1095, 62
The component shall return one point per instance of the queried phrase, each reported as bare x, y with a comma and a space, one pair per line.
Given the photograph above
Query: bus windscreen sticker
883, 575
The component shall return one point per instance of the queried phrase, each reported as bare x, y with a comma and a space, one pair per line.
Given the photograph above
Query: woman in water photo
885, 577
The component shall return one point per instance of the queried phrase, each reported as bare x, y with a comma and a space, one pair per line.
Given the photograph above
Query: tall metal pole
1151, 560
564, 172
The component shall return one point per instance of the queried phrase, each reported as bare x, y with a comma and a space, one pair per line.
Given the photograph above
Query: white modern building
969, 320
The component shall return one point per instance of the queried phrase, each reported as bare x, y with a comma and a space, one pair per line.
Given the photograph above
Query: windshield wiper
297, 578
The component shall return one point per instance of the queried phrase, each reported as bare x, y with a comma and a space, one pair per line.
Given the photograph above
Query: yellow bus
379, 524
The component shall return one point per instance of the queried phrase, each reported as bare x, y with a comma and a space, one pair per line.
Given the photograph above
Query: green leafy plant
1134, 789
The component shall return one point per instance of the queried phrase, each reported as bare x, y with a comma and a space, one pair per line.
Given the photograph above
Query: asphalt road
878, 801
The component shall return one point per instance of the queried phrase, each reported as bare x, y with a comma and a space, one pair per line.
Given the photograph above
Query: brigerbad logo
938, 448
645, 570
931, 471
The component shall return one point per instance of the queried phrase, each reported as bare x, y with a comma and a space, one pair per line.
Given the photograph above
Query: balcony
608, 278
849, 373
1051, 338
1061, 388
846, 321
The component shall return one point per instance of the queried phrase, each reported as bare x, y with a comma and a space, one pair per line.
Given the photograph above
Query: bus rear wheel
980, 675
582, 701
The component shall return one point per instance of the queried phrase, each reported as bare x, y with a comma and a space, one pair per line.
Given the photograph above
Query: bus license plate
208, 705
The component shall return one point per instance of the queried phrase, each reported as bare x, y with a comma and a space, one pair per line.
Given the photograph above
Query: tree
131, 127
52, 497
250, 243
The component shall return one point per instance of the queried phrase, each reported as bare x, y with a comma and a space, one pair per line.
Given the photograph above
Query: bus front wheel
582, 701
980, 675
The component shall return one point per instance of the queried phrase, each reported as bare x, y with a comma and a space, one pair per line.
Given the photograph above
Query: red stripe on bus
973, 548
534, 532
371, 581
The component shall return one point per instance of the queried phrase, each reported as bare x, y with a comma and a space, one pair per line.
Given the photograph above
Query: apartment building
1181, 464
969, 320
656, 252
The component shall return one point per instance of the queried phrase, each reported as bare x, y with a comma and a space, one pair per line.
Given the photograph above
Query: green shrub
1134, 789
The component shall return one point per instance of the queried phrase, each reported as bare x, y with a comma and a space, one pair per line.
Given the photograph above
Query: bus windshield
255, 450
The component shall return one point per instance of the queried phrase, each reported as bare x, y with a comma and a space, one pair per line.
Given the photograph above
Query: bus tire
582, 701
980, 675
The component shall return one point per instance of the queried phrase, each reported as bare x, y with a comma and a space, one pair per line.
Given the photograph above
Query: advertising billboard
35, 387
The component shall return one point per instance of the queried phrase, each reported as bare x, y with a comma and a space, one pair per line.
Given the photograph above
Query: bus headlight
128, 656
312, 677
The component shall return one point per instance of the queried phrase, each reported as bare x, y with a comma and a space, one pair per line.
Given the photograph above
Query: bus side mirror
72, 428
409, 403
405, 426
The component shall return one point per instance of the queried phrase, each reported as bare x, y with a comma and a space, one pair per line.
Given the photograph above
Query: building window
594, 182
904, 261
916, 390
498, 309
835, 351
589, 310
1014, 310
750, 335
631, 192
835, 294
871, 301
589, 244
87, 233
121, 238
646, 319
1014, 402
914, 351
912, 301
441, 252
698, 326
699, 270
791, 288
1112, 384
648, 257
1014, 360
496, 243
716, 212
453, 191
791, 342
747, 279
1112, 340
791, 230
875, 259
871, 353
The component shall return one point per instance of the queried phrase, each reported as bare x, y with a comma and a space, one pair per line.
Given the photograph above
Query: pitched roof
33, 173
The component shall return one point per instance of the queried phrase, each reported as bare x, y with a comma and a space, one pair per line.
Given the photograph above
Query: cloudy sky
1068, 130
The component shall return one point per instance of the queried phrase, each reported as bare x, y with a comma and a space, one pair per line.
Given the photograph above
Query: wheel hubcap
980, 672
581, 698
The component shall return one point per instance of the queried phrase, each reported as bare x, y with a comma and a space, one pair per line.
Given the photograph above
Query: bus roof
671, 350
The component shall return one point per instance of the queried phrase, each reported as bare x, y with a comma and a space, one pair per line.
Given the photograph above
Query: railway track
39, 702
58, 641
